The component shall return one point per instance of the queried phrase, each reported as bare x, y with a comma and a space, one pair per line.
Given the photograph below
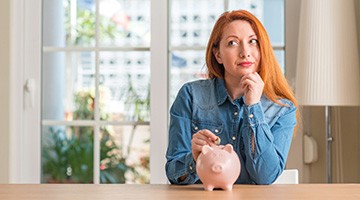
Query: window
99, 58
95, 91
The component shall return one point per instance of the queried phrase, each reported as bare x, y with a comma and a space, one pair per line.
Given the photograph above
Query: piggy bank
218, 167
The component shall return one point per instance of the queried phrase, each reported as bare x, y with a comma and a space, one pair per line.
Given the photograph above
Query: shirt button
234, 138
190, 167
235, 113
196, 128
251, 116
216, 131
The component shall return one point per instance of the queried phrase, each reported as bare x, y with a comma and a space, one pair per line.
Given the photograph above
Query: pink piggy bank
218, 167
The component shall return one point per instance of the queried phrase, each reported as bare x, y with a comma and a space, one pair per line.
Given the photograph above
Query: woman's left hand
253, 87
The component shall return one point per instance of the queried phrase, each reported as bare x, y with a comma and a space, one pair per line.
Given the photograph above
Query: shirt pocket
216, 128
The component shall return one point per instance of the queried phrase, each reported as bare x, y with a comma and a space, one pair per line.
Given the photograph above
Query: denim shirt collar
222, 93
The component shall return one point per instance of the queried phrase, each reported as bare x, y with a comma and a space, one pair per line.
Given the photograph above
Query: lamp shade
328, 59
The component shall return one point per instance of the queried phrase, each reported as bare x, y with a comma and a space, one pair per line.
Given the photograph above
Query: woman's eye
232, 43
253, 41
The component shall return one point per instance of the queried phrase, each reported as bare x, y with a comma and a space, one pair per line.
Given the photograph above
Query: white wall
4, 88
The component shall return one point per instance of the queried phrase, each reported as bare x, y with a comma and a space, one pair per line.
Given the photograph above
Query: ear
229, 148
217, 56
205, 149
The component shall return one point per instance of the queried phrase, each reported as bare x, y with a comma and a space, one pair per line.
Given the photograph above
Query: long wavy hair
275, 83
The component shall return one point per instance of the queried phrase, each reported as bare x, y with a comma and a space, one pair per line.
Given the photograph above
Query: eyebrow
230, 36
234, 36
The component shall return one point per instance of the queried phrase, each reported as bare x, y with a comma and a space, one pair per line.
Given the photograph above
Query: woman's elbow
265, 180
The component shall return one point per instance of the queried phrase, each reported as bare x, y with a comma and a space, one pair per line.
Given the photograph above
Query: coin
217, 141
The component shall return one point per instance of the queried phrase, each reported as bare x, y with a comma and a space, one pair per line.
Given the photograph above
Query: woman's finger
199, 141
206, 135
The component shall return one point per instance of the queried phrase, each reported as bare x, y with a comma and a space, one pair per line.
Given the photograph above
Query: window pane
280, 55
274, 20
125, 22
56, 23
191, 25
270, 12
67, 154
256, 7
73, 23
185, 66
69, 23
68, 84
125, 85
124, 154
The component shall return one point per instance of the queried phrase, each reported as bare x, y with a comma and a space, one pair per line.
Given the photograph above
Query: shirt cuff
254, 114
189, 160
190, 171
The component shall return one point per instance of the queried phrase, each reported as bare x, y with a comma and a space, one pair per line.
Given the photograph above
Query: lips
246, 64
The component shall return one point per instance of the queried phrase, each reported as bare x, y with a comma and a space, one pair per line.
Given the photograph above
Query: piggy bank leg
228, 187
208, 187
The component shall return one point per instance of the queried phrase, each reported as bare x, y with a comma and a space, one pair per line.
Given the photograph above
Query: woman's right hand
199, 139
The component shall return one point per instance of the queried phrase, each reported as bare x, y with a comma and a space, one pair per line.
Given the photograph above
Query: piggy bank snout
217, 168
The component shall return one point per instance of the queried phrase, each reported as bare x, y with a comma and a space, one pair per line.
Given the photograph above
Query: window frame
24, 151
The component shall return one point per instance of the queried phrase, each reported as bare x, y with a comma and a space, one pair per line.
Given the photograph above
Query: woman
246, 101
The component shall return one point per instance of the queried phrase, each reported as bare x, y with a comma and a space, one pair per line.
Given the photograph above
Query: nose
244, 51
217, 168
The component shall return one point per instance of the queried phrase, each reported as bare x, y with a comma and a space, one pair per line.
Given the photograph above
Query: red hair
275, 83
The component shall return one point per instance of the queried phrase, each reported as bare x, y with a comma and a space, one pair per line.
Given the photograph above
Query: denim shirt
205, 104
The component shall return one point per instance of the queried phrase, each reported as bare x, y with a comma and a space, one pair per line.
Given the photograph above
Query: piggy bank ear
205, 149
229, 148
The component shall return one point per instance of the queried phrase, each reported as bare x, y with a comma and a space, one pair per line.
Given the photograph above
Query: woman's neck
233, 88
